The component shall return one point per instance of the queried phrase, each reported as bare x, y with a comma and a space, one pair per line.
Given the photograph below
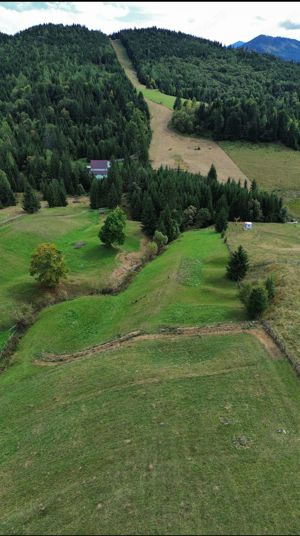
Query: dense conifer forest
63, 99
171, 200
236, 94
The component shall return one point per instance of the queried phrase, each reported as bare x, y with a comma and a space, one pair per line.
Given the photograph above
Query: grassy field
274, 248
89, 266
186, 285
274, 167
157, 437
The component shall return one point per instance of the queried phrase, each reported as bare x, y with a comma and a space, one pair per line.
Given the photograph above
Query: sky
226, 22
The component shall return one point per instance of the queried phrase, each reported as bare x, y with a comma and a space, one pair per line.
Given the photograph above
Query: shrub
24, 316
257, 302
151, 250
160, 239
270, 287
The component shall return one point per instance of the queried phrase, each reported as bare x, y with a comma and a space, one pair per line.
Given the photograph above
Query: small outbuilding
247, 225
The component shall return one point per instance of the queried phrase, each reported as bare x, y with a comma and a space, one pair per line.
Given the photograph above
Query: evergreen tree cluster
64, 99
171, 200
234, 94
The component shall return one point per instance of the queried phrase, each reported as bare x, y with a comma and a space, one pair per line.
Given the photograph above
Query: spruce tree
95, 194
31, 202
7, 197
221, 222
238, 264
177, 103
257, 302
149, 219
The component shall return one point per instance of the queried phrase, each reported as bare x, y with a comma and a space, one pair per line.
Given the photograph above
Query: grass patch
157, 96
273, 166
156, 298
274, 248
89, 267
158, 437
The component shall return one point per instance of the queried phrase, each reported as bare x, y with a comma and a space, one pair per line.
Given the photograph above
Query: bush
257, 302
270, 287
160, 239
151, 250
203, 218
245, 291
24, 316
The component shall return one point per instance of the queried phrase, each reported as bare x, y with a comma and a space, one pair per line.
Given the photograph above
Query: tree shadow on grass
25, 291
99, 252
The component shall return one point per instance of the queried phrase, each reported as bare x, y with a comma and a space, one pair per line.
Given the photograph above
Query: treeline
173, 200
64, 99
240, 94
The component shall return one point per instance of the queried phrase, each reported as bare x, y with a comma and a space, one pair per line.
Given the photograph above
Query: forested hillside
173, 200
64, 97
242, 95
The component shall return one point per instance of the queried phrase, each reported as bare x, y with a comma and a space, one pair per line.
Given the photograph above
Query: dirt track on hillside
223, 329
169, 148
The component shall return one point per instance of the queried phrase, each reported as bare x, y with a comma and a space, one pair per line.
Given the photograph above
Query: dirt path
223, 329
169, 148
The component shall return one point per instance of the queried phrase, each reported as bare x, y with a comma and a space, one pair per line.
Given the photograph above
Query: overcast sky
225, 22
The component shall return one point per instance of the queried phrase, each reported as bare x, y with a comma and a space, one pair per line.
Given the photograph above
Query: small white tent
247, 225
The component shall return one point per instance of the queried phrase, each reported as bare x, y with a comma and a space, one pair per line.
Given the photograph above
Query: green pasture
186, 285
157, 437
273, 166
89, 267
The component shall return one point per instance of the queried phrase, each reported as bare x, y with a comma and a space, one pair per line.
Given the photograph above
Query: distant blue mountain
282, 47
238, 44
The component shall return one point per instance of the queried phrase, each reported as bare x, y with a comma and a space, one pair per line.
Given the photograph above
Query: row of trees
256, 297
233, 93
173, 200
64, 99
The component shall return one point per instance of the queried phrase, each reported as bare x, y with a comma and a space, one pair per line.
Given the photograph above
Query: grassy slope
274, 248
144, 440
151, 94
89, 267
274, 167
186, 285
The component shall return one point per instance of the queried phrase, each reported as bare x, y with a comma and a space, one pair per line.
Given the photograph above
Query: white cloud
221, 21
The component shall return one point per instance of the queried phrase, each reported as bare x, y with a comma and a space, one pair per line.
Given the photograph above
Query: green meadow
89, 266
184, 286
176, 436
273, 166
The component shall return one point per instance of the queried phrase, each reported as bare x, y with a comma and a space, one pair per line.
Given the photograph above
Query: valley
142, 398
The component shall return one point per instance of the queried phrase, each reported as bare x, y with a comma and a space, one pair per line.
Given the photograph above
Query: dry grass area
274, 248
169, 148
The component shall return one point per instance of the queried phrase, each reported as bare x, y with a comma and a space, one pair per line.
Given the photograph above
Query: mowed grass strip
89, 266
158, 437
273, 166
274, 249
157, 297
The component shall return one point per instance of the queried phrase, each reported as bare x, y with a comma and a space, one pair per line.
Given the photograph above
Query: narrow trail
254, 329
169, 148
